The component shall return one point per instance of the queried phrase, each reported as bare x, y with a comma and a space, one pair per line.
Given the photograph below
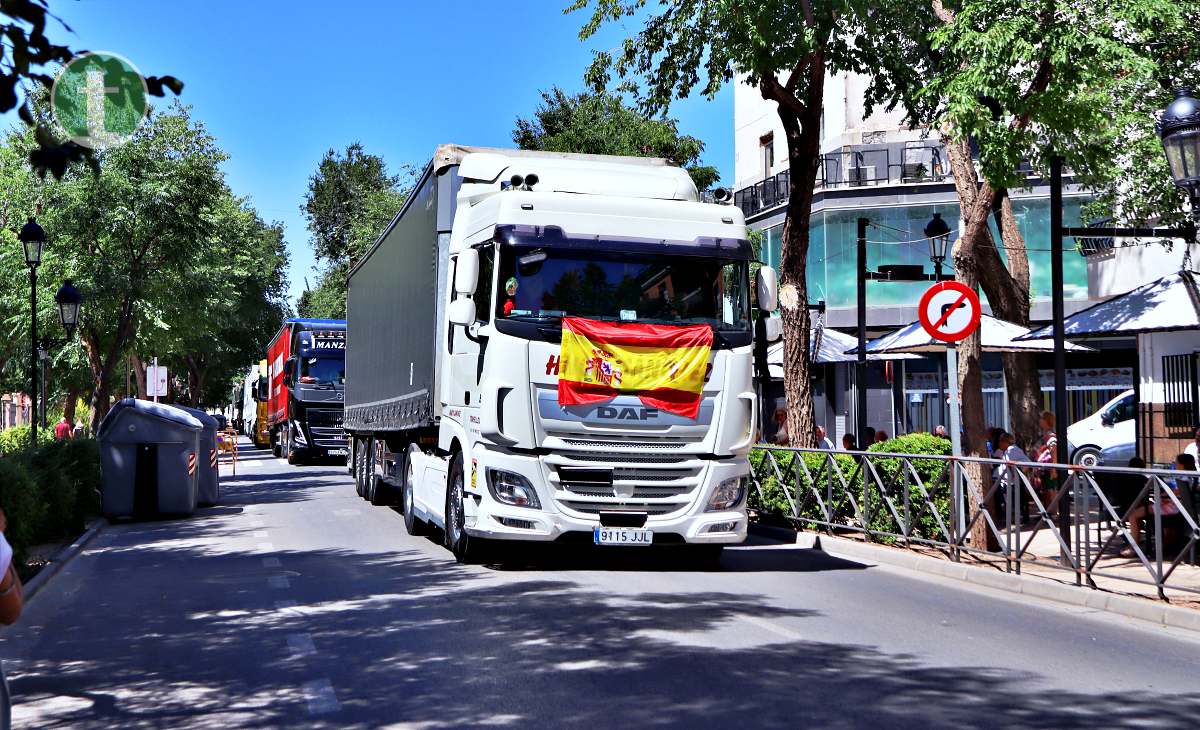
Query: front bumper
488, 518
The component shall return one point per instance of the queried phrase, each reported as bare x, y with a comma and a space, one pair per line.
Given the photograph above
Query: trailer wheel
379, 492
276, 446
460, 543
413, 525
360, 455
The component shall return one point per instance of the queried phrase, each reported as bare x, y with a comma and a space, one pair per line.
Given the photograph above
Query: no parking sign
949, 311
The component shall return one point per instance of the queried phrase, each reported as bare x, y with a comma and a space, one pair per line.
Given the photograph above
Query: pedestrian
940, 432
1007, 474
881, 436
77, 432
848, 443
62, 430
11, 601
993, 442
781, 432
1047, 453
823, 441
1185, 463
1194, 447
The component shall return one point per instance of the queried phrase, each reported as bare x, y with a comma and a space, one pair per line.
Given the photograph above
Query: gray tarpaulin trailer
149, 460
208, 479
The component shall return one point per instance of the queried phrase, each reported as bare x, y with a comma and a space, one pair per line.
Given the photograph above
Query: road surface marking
272, 563
278, 581
320, 697
772, 627
301, 645
266, 547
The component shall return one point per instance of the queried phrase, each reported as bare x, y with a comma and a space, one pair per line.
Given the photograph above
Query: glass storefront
896, 237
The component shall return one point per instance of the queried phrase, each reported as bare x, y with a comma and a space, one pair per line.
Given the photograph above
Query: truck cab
308, 382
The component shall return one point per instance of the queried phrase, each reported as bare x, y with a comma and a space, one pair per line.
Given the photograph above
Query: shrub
50, 493
770, 497
16, 439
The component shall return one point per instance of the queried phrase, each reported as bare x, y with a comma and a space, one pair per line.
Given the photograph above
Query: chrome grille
656, 484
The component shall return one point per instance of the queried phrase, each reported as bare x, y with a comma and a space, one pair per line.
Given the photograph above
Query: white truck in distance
455, 321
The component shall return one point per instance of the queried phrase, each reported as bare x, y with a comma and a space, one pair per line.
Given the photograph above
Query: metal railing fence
941, 501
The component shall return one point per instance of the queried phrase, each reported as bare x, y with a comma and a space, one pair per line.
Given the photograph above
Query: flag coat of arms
664, 365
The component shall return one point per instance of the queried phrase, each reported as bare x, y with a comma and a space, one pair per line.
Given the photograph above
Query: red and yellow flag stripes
663, 364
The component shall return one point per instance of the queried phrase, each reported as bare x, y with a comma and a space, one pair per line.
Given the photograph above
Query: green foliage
835, 477
351, 198
16, 439
50, 493
603, 124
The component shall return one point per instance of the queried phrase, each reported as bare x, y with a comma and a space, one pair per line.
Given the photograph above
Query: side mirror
461, 312
466, 274
1107, 419
289, 367
261, 392
773, 326
768, 289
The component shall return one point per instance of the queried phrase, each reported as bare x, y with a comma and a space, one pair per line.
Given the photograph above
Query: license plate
339, 452
622, 536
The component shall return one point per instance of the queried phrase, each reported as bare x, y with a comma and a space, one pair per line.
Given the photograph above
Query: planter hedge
49, 494
776, 471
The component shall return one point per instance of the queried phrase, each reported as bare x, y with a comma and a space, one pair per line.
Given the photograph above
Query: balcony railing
859, 166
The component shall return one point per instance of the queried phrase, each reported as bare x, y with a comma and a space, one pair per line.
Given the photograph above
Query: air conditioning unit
863, 175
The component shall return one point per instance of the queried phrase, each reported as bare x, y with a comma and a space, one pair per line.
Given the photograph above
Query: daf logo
626, 413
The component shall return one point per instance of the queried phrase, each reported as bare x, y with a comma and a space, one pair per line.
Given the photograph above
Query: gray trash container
208, 483
149, 460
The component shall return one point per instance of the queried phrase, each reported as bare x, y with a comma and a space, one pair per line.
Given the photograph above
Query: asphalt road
295, 604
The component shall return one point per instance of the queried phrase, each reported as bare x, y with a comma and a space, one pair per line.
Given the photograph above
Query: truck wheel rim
455, 516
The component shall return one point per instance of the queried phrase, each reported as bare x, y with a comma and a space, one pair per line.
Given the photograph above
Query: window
1122, 410
766, 145
1179, 385
483, 291
322, 371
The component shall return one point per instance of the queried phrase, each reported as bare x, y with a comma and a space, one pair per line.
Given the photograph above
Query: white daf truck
455, 322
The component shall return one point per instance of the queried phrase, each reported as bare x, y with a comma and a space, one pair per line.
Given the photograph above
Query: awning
1165, 305
831, 348
997, 335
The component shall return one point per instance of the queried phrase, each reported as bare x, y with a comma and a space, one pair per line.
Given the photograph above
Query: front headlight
509, 488
727, 495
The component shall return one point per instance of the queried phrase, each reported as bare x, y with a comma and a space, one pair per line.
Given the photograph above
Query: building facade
875, 167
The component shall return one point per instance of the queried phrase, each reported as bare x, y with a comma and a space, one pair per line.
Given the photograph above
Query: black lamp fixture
33, 239
1179, 129
938, 233
68, 299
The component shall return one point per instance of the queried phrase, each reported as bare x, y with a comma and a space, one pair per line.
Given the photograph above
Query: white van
1112, 425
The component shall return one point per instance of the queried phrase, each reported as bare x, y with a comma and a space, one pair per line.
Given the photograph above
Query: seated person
1145, 511
510, 289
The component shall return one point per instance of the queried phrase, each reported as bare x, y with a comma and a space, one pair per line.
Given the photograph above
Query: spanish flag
663, 364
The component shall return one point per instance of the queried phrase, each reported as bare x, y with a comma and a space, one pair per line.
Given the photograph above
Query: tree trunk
103, 362
139, 376
801, 121
69, 404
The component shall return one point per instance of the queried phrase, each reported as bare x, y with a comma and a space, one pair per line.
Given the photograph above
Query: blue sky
278, 83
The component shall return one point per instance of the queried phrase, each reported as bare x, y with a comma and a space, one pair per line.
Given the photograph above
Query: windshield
322, 371
547, 284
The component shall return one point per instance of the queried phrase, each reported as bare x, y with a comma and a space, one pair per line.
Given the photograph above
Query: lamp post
938, 233
1179, 130
68, 299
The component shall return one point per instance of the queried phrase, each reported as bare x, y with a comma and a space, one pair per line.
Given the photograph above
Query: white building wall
842, 124
1127, 267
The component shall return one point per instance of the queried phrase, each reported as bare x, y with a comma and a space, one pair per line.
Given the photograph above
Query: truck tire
464, 547
360, 454
276, 446
413, 525
379, 492
294, 457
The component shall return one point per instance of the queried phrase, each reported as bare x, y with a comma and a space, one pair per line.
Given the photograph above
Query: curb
61, 558
1157, 612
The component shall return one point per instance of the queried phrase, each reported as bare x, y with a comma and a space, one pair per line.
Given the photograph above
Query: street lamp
1179, 129
938, 233
68, 298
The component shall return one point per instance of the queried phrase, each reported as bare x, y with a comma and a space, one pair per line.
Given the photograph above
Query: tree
602, 124
784, 48
350, 200
1023, 81
132, 235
